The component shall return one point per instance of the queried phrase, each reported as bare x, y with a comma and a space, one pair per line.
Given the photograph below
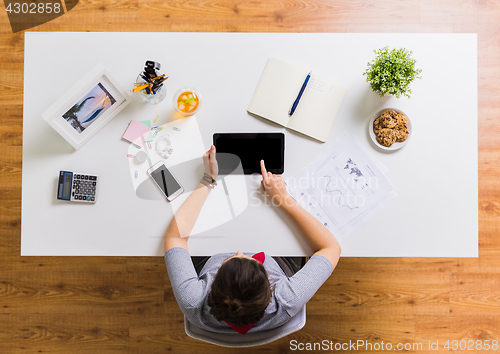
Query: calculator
77, 187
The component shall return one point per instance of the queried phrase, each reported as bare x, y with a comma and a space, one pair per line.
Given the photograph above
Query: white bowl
396, 145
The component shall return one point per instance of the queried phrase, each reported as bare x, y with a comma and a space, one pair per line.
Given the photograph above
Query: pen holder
153, 97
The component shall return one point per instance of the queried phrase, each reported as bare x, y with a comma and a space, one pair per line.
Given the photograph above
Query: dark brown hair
240, 292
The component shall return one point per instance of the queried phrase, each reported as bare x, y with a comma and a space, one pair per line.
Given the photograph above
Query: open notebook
278, 88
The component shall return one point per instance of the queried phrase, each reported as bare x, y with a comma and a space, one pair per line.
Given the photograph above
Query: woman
240, 292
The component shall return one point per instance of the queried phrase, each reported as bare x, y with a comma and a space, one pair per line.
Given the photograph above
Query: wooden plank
488, 169
488, 93
473, 331
11, 45
11, 86
366, 328
121, 15
11, 262
37, 291
11, 238
64, 333
290, 14
11, 128
373, 293
448, 11
397, 265
488, 11
475, 294
10, 216
155, 334
145, 264
10, 168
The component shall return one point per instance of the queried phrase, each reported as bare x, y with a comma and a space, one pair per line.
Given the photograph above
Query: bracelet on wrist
209, 185
208, 181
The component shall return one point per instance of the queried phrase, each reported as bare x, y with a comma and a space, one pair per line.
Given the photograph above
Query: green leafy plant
392, 72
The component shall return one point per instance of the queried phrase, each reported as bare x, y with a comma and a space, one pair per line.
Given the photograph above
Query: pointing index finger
263, 170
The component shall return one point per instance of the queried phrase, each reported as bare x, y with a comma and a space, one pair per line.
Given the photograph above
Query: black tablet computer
250, 148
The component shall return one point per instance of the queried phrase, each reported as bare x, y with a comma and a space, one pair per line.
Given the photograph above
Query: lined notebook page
317, 108
278, 87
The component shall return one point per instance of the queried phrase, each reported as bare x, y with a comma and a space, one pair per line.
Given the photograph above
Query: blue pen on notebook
296, 102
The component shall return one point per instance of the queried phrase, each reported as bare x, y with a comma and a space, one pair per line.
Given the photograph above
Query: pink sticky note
135, 132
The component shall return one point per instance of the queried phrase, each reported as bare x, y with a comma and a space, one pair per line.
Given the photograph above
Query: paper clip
130, 155
136, 146
157, 131
156, 118
175, 128
136, 174
149, 146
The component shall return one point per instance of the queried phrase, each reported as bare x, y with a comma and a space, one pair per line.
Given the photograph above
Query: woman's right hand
274, 187
317, 236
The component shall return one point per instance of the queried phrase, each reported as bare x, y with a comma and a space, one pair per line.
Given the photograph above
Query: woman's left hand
210, 163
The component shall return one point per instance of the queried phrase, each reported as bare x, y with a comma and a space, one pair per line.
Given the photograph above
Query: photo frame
87, 107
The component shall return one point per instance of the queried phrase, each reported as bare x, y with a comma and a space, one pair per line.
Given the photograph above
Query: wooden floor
126, 305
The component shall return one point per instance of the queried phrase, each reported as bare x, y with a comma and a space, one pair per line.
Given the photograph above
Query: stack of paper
343, 187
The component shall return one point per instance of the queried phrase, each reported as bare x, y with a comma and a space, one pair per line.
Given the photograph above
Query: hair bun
240, 292
233, 304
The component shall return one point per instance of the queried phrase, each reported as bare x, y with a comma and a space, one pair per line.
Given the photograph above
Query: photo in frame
87, 107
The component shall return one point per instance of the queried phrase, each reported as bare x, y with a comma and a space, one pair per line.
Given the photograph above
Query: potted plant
392, 72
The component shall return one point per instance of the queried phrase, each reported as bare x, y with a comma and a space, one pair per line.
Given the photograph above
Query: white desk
435, 175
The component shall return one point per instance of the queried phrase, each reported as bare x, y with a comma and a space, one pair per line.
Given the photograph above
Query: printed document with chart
343, 187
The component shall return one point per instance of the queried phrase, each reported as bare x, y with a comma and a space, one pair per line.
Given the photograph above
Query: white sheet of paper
342, 187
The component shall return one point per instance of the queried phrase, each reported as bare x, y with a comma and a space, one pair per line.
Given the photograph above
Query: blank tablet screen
251, 148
